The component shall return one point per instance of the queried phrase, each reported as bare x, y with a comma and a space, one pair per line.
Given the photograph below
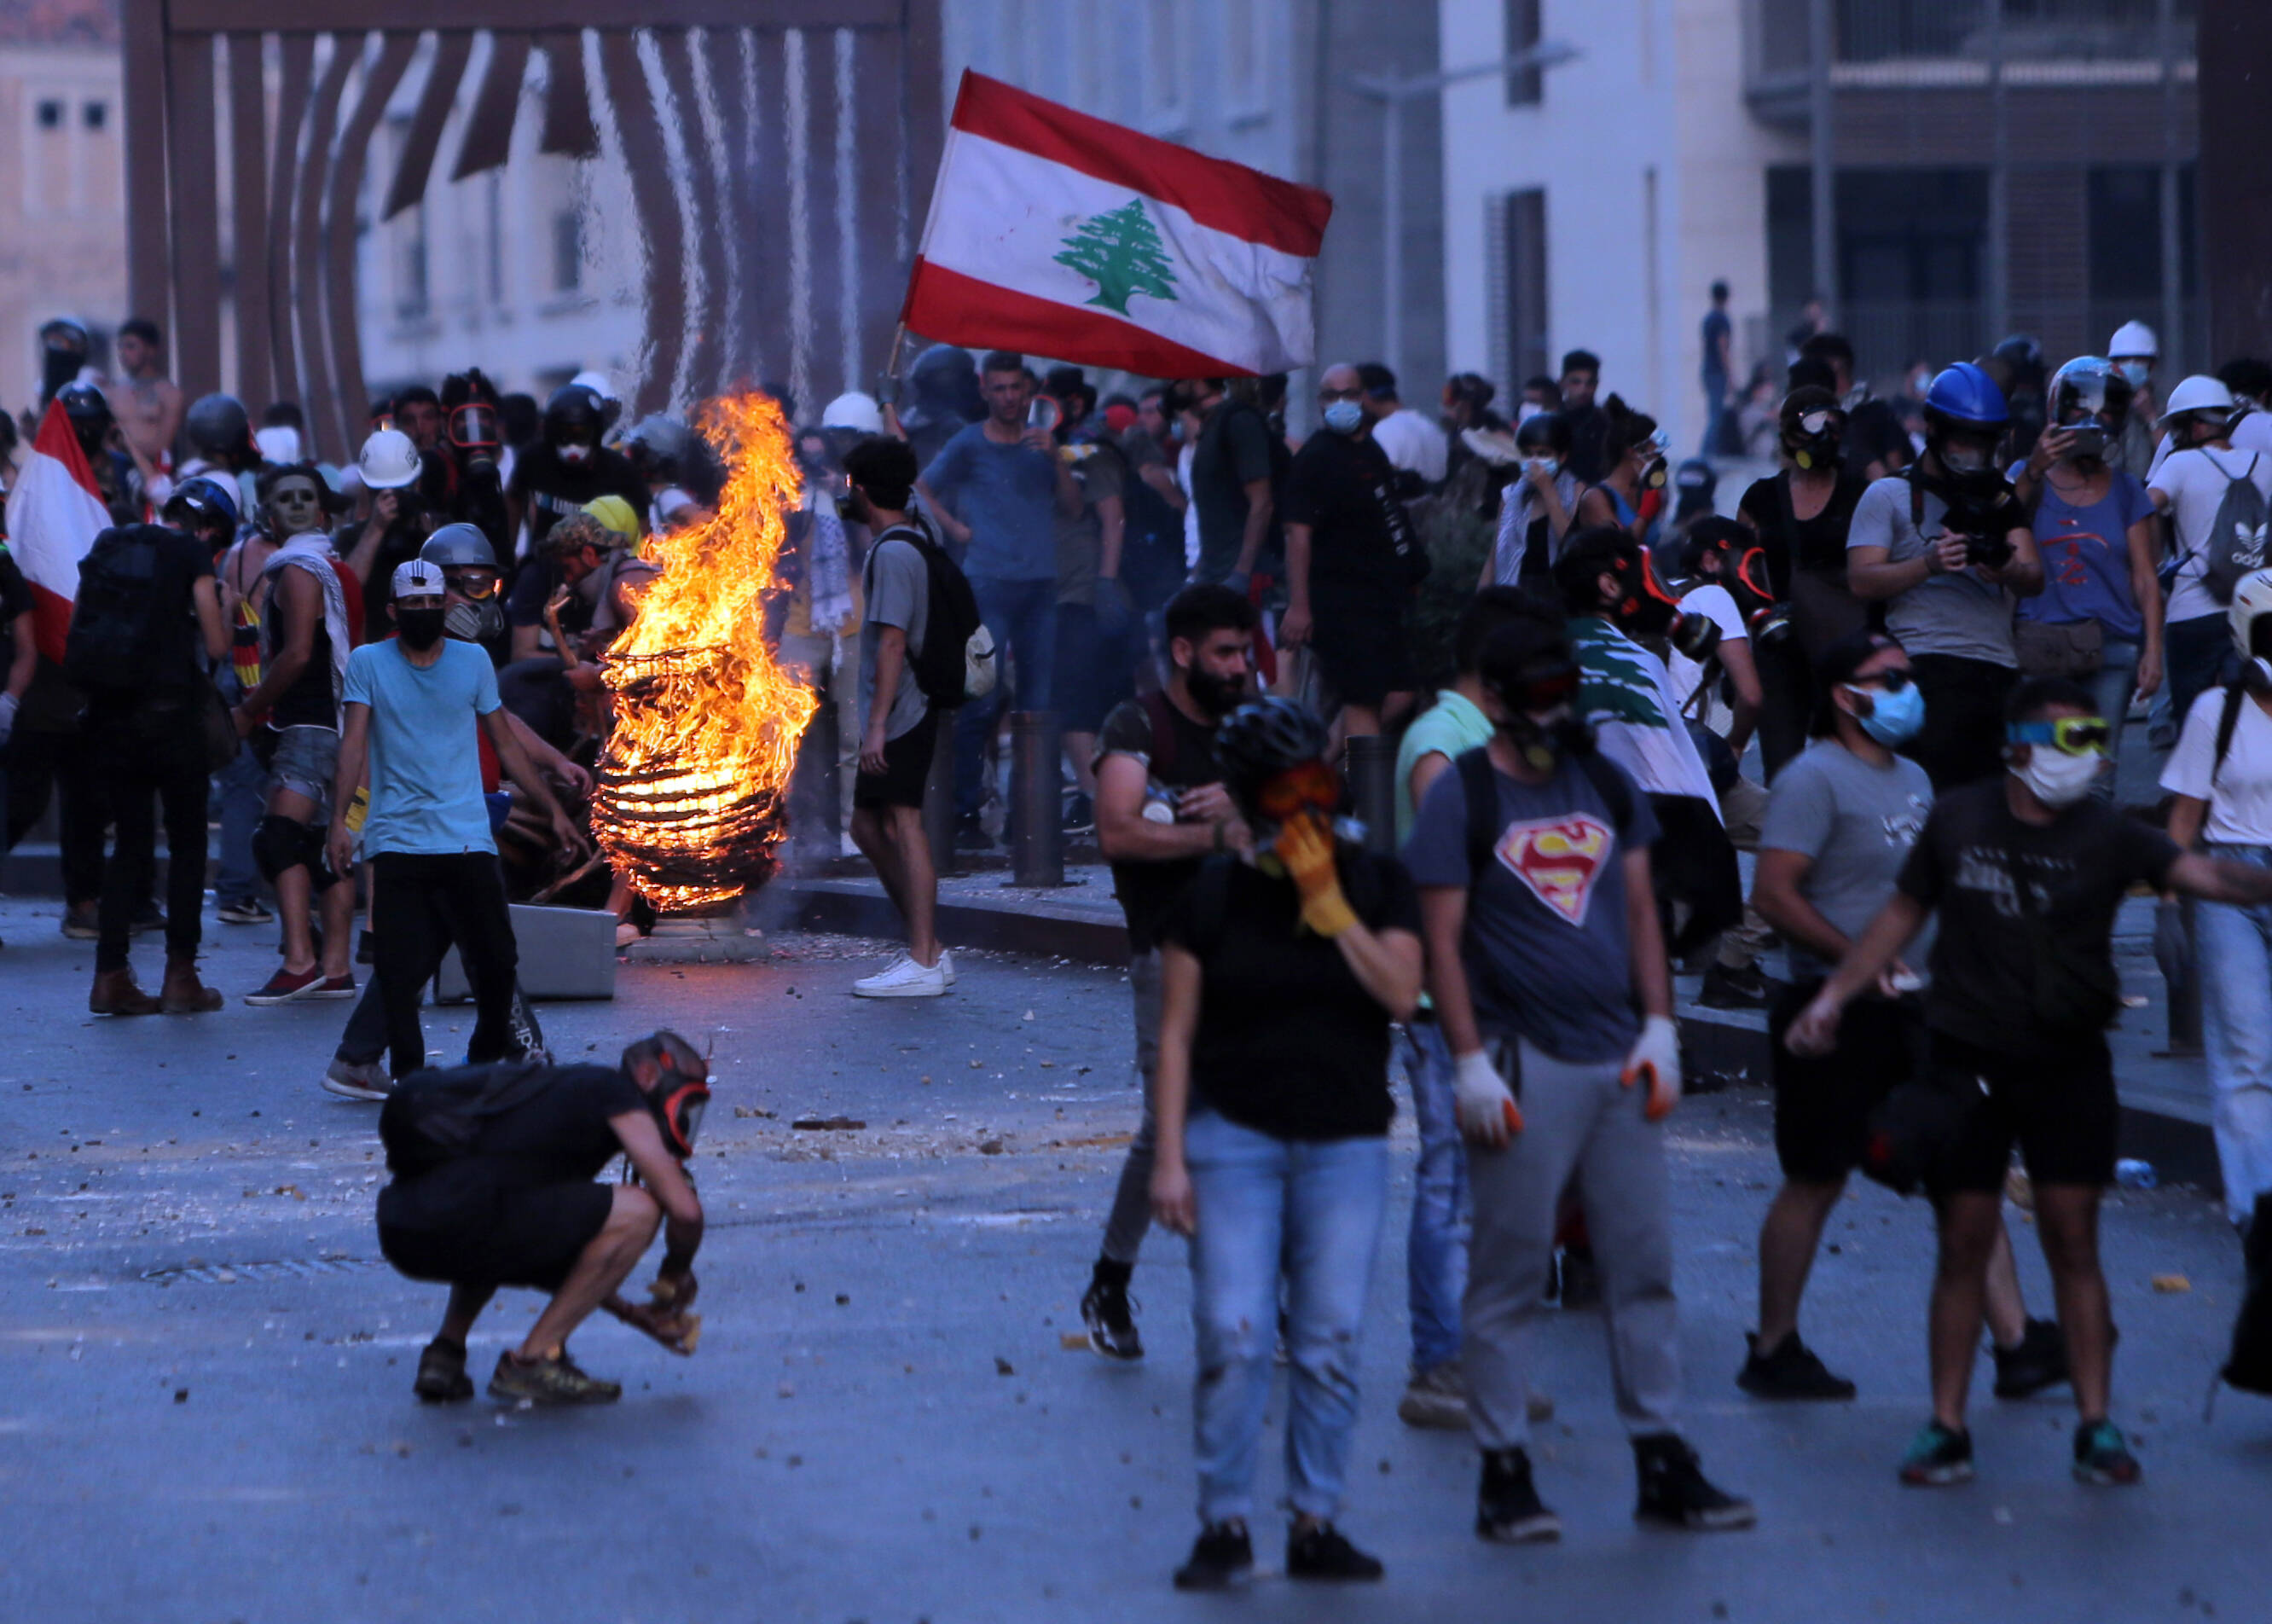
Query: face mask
678, 1101
1344, 417
1959, 458
420, 628
2058, 779
575, 456
1892, 718
1542, 741
1547, 466
473, 622
2136, 371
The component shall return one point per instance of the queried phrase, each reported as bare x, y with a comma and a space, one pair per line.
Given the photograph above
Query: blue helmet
201, 497
1965, 394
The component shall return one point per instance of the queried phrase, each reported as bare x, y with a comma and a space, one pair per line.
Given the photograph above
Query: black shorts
906, 768
2058, 1105
459, 1225
1822, 1103
1360, 642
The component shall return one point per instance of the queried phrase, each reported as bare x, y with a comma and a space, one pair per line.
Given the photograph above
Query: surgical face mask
2136, 371
575, 456
1548, 466
1344, 417
420, 628
2058, 779
1894, 718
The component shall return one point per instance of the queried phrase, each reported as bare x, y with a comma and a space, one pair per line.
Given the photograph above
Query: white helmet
279, 443
389, 461
2197, 393
2134, 338
855, 411
2251, 596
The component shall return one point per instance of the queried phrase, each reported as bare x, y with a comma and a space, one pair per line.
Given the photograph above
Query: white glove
1656, 1054
1486, 1111
7, 718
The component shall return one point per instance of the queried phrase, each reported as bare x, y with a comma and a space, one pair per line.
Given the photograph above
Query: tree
1121, 252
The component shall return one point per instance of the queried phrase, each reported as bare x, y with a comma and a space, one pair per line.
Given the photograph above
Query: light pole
1393, 93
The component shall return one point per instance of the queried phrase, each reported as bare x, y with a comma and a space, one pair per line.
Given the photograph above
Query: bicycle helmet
1260, 740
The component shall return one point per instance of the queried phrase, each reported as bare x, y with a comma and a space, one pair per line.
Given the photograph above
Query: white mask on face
2058, 779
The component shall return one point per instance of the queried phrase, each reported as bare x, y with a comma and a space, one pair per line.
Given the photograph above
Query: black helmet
459, 547
1261, 740
216, 426
658, 445
573, 409
84, 404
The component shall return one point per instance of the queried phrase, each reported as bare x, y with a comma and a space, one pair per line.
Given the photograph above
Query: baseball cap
1849, 654
417, 579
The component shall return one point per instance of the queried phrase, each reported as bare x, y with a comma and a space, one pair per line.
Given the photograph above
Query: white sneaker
905, 979
947, 965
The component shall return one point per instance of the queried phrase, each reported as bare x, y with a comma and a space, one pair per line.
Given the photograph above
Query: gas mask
1653, 475
1313, 788
1968, 466
574, 455
468, 621
1813, 440
474, 436
678, 1101
1540, 722
1647, 610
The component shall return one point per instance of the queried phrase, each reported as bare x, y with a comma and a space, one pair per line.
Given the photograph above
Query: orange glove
1305, 846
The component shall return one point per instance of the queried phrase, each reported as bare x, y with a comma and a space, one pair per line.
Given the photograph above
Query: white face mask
2058, 779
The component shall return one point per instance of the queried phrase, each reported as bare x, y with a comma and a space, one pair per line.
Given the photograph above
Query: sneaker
1320, 1552
1748, 988
1937, 1456
334, 986
905, 979
1508, 1507
249, 911
1789, 1370
80, 923
442, 1378
2039, 1361
1222, 1557
548, 1381
1079, 815
284, 987
366, 1082
946, 965
2102, 1457
1437, 1397
1106, 1310
1675, 1493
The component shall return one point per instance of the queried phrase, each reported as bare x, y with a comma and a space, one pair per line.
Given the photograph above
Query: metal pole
2174, 354
1037, 838
1370, 760
938, 798
1392, 228
1999, 183
1822, 156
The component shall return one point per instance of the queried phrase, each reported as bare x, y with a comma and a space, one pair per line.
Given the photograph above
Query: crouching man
493, 1185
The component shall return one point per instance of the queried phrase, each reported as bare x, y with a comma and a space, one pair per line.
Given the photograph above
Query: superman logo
1559, 858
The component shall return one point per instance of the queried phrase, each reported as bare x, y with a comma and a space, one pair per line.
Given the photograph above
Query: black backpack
956, 662
1482, 792
435, 1116
112, 644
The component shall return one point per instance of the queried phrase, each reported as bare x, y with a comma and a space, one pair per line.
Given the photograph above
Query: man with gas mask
461, 478
493, 1185
2026, 871
475, 611
570, 466
1946, 547
1548, 971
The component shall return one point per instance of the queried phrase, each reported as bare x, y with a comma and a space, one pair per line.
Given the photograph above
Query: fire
693, 783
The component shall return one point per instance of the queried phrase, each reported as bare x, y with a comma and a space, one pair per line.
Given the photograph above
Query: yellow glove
1305, 846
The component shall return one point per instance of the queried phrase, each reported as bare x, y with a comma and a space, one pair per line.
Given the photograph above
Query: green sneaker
2102, 1457
1938, 1455
549, 1381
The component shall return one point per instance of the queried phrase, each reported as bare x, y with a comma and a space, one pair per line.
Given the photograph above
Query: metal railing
1893, 30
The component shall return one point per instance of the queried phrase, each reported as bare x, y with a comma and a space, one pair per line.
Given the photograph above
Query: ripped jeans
1313, 1207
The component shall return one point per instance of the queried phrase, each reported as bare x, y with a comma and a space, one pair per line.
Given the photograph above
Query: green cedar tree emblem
1121, 252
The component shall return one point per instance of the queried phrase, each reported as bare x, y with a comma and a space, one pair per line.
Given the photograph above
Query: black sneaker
1675, 1493
1111, 1320
1319, 1552
2039, 1362
2101, 1456
1079, 814
442, 1378
1748, 988
1789, 1370
1222, 1557
1938, 1455
1508, 1507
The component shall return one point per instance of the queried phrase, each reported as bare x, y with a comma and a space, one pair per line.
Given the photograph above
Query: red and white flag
1059, 234
54, 515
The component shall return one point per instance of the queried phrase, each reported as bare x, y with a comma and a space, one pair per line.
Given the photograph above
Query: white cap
279, 443
2198, 393
2133, 338
853, 411
416, 579
389, 461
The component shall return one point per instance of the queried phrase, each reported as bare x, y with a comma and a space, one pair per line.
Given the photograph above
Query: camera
1992, 552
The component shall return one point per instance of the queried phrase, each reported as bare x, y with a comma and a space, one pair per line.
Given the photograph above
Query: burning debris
693, 785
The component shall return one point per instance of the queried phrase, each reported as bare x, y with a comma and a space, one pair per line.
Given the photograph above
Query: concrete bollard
1371, 763
1036, 823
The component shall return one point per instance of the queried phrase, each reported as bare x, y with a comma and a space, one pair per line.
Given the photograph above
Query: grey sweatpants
1131, 1203
1577, 1120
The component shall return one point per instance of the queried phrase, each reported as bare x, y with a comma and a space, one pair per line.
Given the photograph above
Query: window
1524, 87
2125, 231
567, 251
95, 115
1516, 224
51, 115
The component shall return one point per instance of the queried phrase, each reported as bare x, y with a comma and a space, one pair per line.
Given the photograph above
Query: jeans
1436, 1252
147, 759
40, 761
1131, 1202
419, 905
2197, 654
2233, 950
1716, 401
1312, 1210
2110, 687
244, 795
1023, 615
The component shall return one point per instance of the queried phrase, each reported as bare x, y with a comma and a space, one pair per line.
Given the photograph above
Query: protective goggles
472, 583
1826, 421
474, 427
1536, 692
1312, 786
2072, 735
678, 1102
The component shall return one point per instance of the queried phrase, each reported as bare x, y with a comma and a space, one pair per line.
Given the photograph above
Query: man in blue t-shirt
997, 488
433, 861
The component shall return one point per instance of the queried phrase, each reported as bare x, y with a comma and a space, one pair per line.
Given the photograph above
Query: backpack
1482, 789
435, 1116
956, 662
112, 644
2234, 546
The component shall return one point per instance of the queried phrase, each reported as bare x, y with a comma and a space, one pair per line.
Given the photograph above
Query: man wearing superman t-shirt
1547, 966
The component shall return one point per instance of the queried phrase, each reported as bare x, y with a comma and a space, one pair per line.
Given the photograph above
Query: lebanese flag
54, 515
1061, 234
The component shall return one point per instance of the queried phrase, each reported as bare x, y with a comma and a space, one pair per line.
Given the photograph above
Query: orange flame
693, 782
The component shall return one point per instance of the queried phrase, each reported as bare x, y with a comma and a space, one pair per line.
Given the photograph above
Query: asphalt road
208, 1416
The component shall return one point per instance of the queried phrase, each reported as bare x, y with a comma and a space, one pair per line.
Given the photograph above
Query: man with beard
1160, 809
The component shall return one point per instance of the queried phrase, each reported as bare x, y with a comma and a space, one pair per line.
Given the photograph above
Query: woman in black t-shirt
1281, 974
